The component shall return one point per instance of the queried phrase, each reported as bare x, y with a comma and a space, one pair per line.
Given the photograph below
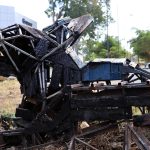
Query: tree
97, 49
76, 8
141, 44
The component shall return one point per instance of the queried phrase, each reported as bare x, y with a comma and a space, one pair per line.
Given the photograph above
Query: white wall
7, 16
20, 19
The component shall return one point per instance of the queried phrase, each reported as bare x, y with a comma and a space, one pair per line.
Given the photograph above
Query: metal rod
57, 48
143, 72
53, 95
40, 81
109, 87
16, 36
14, 64
52, 36
51, 40
92, 147
33, 139
127, 142
55, 29
9, 28
20, 32
32, 43
142, 110
62, 35
72, 144
141, 143
19, 130
43, 79
130, 77
20, 50
1, 35
133, 80
39, 137
43, 109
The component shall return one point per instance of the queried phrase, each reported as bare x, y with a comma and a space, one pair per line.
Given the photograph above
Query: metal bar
140, 142
1, 35
16, 36
19, 130
55, 94
127, 142
133, 80
33, 139
9, 28
2, 146
14, 64
32, 43
72, 144
109, 87
138, 130
51, 40
37, 67
138, 76
43, 109
142, 110
43, 79
130, 77
93, 100
39, 137
55, 29
20, 31
52, 36
81, 141
20, 50
62, 35
57, 48
36, 35
143, 72
40, 80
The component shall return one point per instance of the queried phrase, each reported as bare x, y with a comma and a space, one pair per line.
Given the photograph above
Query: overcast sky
128, 14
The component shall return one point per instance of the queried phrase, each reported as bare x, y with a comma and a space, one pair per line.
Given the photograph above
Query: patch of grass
10, 96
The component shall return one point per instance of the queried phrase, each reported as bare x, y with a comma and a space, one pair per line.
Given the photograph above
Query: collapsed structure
57, 90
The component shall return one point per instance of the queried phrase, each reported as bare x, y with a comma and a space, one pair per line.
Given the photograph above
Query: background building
8, 16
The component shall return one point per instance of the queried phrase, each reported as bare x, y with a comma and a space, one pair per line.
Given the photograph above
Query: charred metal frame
55, 109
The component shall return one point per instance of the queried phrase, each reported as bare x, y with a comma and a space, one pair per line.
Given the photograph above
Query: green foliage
5, 114
141, 44
76, 8
99, 9
97, 49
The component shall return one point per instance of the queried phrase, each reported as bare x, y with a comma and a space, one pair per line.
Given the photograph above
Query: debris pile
58, 92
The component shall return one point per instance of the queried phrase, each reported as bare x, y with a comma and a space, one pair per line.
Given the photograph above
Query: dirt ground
10, 98
10, 95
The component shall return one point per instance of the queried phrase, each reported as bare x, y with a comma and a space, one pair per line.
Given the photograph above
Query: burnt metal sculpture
55, 96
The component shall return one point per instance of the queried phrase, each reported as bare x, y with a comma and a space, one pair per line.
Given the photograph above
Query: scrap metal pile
58, 91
